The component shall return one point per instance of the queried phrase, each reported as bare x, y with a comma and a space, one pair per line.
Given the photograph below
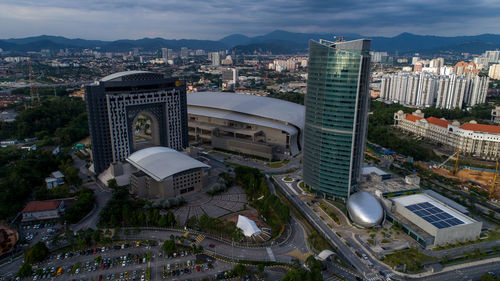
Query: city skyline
201, 20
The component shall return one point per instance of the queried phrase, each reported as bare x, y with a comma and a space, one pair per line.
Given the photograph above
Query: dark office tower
337, 103
132, 110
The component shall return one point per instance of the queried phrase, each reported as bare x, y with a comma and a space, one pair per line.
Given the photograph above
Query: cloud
213, 19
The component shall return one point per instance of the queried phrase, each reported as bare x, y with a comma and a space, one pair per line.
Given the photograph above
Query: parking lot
129, 261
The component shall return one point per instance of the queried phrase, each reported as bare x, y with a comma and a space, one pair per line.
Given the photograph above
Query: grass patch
279, 164
412, 258
331, 213
288, 179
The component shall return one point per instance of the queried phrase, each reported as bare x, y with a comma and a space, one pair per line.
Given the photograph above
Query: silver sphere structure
364, 209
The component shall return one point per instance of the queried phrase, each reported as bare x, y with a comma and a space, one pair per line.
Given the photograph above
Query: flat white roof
370, 169
421, 198
162, 162
270, 108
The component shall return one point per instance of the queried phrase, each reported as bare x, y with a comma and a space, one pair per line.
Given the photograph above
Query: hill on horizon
277, 42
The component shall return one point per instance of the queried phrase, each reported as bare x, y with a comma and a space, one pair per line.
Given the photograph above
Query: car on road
211, 246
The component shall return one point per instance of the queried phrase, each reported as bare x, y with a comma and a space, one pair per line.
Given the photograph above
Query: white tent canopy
248, 226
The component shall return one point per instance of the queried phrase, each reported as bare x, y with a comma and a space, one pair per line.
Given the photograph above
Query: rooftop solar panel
434, 215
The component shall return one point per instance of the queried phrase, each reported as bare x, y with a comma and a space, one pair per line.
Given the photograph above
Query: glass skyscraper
337, 104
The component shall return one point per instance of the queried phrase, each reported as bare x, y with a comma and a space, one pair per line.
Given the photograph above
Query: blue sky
214, 19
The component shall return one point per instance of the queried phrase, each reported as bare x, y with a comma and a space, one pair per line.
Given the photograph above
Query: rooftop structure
368, 170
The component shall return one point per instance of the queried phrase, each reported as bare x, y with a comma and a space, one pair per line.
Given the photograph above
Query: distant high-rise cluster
379, 56
425, 89
290, 64
487, 58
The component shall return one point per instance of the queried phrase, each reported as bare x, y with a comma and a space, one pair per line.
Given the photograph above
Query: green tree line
268, 205
62, 117
121, 210
21, 173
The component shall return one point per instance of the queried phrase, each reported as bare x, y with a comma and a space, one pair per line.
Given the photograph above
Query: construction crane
457, 154
493, 183
33, 88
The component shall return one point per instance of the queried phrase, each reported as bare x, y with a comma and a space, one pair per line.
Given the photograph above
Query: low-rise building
477, 140
56, 179
432, 222
42, 210
164, 173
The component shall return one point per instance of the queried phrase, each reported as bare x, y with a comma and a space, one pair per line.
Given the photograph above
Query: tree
487, 277
239, 270
36, 253
169, 246
25, 270
112, 184
261, 267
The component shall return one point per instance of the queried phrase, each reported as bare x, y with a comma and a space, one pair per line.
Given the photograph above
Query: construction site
470, 177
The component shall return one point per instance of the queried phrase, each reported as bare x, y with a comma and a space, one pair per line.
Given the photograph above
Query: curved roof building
364, 209
164, 173
162, 162
247, 119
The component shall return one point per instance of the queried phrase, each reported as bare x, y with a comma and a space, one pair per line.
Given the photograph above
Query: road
342, 249
101, 194
468, 271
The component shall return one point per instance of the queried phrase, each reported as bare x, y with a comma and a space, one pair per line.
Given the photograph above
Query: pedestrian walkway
296, 253
198, 239
270, 253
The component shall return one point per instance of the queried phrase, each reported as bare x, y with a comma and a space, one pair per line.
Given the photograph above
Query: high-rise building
494, 71
184, 52
164, 53
215, 58
117, 101
337, 104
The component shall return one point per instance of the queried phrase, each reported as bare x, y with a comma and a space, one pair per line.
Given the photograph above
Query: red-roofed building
42, 210
412, 118
438, 122
481, 128
477, 140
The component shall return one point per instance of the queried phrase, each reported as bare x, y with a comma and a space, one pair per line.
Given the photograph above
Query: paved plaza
215, 206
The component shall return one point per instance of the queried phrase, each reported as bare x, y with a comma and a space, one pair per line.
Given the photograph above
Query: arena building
431, 222
248, 124
163, 173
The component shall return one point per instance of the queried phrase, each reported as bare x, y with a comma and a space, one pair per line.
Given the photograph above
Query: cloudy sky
214, 19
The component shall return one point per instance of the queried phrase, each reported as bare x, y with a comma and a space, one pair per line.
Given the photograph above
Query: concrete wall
242, 146
451, 235
173, 186
271, 136
459, 233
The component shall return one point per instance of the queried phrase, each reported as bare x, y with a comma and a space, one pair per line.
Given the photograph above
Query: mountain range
276, 42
